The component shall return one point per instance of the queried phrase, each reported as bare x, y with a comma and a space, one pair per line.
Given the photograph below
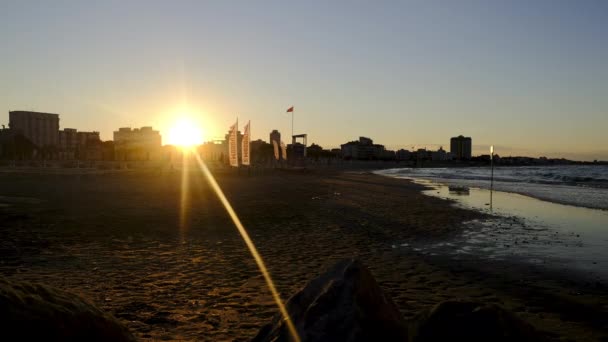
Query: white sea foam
578, 185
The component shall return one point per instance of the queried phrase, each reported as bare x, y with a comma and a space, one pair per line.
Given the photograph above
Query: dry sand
122, 241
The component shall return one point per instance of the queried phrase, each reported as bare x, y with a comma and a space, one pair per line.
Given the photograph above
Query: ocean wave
587, 176
585, 186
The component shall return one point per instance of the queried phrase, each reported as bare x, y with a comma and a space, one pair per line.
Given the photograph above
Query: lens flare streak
184, 197
254, 252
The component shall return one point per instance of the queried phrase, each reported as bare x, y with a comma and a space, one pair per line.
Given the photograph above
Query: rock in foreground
343, 304
31, 312
346, 304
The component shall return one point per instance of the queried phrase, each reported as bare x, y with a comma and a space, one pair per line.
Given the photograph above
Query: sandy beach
182, 272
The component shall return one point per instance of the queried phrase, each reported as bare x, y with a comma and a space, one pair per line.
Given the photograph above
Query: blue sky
530, 77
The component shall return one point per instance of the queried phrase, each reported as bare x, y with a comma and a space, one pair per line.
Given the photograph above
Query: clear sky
530, 77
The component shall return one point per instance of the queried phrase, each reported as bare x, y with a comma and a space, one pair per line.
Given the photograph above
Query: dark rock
346, 304
343, 304
31, 312
470, 321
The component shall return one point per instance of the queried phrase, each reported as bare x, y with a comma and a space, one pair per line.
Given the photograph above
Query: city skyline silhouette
528, 78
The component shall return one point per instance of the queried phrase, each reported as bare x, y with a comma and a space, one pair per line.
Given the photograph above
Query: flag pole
290, 110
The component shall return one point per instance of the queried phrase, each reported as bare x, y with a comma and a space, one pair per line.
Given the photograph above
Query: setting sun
185, 133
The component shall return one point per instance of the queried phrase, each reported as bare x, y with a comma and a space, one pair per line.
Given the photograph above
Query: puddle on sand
527, 230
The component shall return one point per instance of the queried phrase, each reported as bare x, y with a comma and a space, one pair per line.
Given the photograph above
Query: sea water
559, 226
578, 185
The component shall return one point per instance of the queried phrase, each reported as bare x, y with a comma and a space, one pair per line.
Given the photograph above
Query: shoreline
455, 182
534, 231
119, 240
444, 182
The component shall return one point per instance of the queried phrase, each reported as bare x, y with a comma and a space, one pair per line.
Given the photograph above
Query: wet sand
123, 241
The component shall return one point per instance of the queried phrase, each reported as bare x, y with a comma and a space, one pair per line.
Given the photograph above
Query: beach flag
290, 109
245, 148
276, 149
283, 151
232, 145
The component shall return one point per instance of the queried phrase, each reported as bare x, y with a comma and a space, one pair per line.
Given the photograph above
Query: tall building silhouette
460, 147
42, 129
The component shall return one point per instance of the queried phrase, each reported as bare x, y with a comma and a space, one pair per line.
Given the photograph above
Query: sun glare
185, 133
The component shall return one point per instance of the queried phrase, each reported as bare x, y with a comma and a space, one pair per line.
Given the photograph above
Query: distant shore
122, 240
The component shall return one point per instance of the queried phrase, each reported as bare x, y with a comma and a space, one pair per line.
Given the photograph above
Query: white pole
491, 173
